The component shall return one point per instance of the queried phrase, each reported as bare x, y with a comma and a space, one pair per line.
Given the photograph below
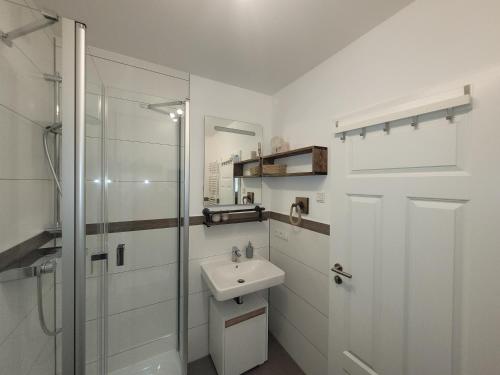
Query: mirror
232, 162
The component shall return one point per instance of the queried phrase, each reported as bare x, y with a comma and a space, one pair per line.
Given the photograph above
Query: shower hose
47, 131
49, 267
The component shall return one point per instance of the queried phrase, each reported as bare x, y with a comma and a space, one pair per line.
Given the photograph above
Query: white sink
228, 279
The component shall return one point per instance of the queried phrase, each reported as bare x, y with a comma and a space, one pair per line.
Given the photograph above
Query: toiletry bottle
249, 250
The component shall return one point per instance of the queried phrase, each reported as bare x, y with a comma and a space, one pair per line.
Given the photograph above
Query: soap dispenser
249, 250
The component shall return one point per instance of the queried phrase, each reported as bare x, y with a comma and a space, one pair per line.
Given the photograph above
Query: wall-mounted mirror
232, 162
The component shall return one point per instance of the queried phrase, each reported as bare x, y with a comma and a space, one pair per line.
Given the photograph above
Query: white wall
217, 99
428, 44
424, 45
26, 190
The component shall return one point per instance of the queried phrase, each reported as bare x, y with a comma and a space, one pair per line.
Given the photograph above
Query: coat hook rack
414, 122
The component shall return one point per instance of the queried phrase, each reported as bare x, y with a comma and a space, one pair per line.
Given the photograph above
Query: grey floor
279, 363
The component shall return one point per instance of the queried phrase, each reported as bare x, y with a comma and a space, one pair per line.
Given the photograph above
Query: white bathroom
226, 187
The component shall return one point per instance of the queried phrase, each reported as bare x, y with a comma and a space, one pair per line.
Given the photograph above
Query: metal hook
450, 116
363, 133
387, 128
342, 137
414, 122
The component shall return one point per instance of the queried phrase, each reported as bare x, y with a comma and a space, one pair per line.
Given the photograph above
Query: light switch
321, 197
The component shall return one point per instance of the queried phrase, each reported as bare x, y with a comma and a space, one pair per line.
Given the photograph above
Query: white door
416, 221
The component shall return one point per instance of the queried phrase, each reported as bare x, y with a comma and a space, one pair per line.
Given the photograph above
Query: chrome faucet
236, 254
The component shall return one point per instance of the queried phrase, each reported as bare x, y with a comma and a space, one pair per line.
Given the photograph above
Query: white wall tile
140, 326
303, 280
198, 309
304, 317
133, 289
21, 149
28, 93
306, 246
198, 342
129, 120
205, 242
144, 248
17, 301
138, 161
29, 207
301, 350
133, 201
22, 347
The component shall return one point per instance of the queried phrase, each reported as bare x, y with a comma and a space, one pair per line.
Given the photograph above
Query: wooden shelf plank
248, 161
296, 152
296, 174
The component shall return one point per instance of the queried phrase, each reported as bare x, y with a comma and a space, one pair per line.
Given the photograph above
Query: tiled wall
26, 195
299, 307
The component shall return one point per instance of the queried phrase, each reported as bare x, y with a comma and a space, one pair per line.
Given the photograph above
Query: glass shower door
134, 203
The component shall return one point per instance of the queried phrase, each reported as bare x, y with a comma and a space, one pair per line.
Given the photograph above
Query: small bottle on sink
249, 250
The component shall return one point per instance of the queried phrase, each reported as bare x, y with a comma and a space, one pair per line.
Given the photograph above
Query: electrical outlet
321, 197
281, 234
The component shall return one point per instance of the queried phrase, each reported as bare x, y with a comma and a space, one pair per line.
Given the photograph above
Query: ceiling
261, 45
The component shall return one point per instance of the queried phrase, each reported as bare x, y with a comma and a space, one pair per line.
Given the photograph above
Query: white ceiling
260, 45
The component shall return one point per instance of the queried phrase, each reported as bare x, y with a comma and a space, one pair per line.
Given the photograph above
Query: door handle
337, 268
120, 254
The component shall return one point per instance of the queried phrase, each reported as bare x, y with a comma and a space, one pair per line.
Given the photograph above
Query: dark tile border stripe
29, 250
13, 257
314, 226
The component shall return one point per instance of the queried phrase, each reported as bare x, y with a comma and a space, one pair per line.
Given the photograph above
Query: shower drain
241, 281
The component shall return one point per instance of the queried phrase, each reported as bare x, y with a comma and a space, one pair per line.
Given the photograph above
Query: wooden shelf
248, 161
296, 152
296, 174
319, 161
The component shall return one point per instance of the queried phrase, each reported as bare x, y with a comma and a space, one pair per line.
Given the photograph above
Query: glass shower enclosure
93, 237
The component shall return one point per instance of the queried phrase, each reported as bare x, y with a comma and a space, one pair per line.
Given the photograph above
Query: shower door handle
98, 257
120, 254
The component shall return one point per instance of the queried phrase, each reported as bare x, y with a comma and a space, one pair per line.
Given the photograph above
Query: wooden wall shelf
319, 162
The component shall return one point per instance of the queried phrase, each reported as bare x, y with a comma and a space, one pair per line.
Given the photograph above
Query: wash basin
228, 279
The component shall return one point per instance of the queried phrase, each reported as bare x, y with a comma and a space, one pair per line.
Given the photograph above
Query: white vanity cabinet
238, 334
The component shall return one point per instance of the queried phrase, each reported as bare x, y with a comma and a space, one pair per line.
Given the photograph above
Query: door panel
431, 256
398, 213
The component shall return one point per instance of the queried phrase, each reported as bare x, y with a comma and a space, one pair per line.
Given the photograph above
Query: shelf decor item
273, 169
254, 171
